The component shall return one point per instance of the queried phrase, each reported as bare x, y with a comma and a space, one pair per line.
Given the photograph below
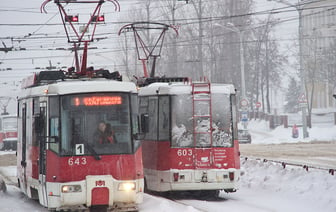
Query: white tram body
59, 162
190, 141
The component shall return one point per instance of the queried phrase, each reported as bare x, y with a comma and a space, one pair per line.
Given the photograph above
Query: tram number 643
76, 161
184, 152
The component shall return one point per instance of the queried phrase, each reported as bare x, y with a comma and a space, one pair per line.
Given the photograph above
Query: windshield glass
94, 124
10, 124
183, 130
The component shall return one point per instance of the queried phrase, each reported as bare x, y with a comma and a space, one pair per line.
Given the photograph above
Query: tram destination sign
96, 101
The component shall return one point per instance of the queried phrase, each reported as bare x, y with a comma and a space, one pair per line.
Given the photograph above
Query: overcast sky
22, 25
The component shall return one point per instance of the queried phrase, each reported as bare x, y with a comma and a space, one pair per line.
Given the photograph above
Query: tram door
24, 147
41, 126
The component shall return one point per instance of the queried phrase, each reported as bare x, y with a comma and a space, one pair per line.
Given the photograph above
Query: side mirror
144, 120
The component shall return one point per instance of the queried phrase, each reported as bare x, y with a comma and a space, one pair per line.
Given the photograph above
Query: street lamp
299, 7
233, 28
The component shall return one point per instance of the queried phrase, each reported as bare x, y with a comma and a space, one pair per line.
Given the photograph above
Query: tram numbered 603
190, 141
59, 161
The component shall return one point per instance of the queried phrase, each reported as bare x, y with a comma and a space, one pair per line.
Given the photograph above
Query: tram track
208, 204
317, 155
185, 204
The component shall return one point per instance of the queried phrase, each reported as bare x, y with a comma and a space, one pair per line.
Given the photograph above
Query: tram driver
104, 134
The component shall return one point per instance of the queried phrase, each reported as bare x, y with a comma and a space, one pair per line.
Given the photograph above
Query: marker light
176, 176
231, 176
100, 18
71, 18
126, 186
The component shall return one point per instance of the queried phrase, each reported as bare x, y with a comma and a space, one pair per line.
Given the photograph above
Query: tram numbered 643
59, 161
190, 137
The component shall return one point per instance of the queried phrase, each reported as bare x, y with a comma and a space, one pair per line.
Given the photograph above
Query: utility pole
126, 58
299, 8
243, 102
174, 46
199, 12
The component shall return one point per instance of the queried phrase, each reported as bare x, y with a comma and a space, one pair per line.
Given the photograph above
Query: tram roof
79, 86
182, 88
8, 116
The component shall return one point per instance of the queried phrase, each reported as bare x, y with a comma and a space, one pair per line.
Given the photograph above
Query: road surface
321, 154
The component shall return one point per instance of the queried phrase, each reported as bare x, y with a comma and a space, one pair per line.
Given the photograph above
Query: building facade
318, 34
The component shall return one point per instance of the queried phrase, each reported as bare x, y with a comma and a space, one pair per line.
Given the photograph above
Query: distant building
318, 21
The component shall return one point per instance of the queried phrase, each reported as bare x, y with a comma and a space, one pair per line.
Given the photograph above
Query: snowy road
265, 187
320, 154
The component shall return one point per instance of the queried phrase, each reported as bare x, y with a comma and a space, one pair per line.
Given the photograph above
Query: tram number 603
184, 152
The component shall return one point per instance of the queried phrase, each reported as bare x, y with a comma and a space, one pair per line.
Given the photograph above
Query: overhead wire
205, 19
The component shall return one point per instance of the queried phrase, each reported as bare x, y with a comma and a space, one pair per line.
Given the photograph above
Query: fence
288, 120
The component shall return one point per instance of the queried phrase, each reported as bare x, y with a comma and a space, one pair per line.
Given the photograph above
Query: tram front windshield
201, 132
96, 124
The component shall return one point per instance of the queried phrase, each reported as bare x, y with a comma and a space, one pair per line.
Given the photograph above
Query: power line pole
299, 8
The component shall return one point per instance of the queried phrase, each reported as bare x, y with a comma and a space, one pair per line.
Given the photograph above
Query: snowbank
312, 191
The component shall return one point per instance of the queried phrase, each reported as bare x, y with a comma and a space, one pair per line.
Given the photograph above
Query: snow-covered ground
261, 134
265, 186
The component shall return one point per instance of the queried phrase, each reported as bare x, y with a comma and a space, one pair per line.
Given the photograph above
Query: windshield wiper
93, 151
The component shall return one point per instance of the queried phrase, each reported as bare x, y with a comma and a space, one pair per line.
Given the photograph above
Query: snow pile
312, 190
156, 203
7, 152
3, 187
14, 200
262, 134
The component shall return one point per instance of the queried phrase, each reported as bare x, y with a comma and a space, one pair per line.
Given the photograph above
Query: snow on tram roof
182, 88
80, 86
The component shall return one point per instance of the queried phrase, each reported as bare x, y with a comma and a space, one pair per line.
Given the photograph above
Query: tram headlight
126, 186
71, 188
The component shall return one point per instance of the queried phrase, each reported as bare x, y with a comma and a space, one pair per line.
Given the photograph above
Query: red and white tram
8, 132
190, 141
60, 161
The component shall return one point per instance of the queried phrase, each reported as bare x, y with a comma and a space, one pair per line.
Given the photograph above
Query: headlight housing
129, 186
71, 188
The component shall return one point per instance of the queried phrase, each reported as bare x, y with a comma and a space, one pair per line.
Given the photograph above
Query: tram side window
143, 111
135, 120
164, 119
222, 124
182, 125
234, 116
152, 115
54, 124
36, 125
148, 108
